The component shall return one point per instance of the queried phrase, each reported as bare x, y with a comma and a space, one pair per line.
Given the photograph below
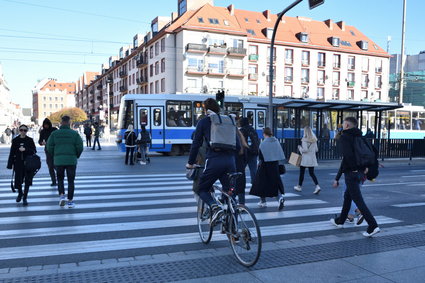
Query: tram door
152, 117
256, 117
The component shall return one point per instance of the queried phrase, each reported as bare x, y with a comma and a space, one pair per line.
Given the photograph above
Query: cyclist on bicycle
218, 162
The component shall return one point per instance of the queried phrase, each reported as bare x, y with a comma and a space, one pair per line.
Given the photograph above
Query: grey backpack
223, 132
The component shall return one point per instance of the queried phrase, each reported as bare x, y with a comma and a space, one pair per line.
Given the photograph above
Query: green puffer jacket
65, 145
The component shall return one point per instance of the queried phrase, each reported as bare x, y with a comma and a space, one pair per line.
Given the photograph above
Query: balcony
337, 65
236, 73
321, 82
196, 48
335, 83
99, 97
305, 62
216, 72
351, 66
110, 79
288, 79
236, 51
217, 49
321, 64
140, 63
378, 70
196, 70
123, 88
253, 57
99, 86
91, 91
378, 85
111, 93
351, 84
305, 80
123, 74
253, 77
141, 81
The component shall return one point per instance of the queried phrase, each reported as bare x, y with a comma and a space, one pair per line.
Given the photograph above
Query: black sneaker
53, 184
24, 202
217, 213
19, 198
281, 203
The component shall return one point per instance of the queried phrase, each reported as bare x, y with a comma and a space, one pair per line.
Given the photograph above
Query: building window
252, 72
156, 86
378, 95
351, 62
321, 59
365, 80
289, 56
162, 85
351, 80
320, 93
364, 94
337, 61
156, 48
179, 113
321, 77
252, 89
378, 81
335, 78
200, 20
213, 21
268, 54
151, 52
350, 94
305, 76
304, 91
250, 31
365, 64
305, 58
156, 67
335, 94
163, 45
151, 70
289, 75
151, 88
378, 65
162, 65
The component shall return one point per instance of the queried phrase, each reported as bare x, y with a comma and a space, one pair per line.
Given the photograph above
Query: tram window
292, 118
128, 112
282, 118
260, 119
305, 118
403, 120
418, 121
157, 117
198, 112
179, 113
391, 118
250, 116
143, 117
233, 108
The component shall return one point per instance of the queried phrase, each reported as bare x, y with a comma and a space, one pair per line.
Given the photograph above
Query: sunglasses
23, 130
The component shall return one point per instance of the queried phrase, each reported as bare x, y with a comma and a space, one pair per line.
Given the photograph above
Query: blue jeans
252, 165
96, 139
216, 168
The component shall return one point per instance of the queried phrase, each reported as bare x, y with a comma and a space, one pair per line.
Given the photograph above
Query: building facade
205, 48
11, 113
50, 96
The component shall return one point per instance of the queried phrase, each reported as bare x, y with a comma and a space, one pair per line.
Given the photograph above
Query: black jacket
16, 157
251, 137
130, 138
349, 162
45, 132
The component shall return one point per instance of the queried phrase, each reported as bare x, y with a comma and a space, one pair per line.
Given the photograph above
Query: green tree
76, 114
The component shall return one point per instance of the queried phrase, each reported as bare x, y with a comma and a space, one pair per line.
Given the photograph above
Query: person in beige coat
308, 149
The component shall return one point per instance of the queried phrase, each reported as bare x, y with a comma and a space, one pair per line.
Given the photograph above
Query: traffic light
220, 98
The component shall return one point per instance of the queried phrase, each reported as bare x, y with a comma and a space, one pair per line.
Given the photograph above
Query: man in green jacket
66, 146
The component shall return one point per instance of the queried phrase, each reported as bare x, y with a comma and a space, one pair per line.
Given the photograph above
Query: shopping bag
295, 159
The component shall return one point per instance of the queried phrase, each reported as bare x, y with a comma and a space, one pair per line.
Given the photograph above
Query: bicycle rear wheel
245, 239
203, 217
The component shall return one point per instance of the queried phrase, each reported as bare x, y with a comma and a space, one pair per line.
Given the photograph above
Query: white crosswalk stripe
126, 212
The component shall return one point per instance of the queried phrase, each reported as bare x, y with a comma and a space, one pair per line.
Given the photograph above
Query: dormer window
268, 32
201, 20
335, 41
250, 31
363, 44
303, 37
213, 21
226, 22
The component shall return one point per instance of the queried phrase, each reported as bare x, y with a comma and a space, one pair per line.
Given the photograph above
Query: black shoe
19, 198
92, 149
24, 202
360, 219
217, 213
99, 149
281, 203
53, 184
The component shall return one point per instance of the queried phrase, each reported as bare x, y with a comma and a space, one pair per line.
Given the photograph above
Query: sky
62, 39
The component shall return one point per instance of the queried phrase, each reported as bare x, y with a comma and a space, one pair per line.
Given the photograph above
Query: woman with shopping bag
308, 149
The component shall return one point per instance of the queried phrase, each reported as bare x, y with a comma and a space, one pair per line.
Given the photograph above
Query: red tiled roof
53, 85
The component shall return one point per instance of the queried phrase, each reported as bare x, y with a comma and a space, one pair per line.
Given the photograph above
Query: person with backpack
22, 147
143, 140
220, 133
241, 160
96, 136
88, 132
47, 129
130, 144
308, 149
354, 165
66, 147
268, 183
251, 137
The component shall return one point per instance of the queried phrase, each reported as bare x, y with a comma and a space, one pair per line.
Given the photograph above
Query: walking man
353, 176
88, 133
251, 137
96, 136
66, 147
45, 132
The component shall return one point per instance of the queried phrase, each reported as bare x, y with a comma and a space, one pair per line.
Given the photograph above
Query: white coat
308, 151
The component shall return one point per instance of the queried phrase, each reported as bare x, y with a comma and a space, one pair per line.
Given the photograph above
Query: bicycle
238, 223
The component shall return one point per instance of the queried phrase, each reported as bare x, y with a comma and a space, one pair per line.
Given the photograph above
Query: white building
10, 114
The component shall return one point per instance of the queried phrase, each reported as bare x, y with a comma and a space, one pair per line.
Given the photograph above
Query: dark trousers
353, 193
96, 139
70, 175
129, 150
252, 165
49, 161
312, 175
88, 140
216, 168
22, 176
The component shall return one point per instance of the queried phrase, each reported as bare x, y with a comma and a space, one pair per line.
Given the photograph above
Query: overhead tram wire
48, 61
62, 39
49, 51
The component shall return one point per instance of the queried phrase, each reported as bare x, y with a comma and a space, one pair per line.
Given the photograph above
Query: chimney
267, 14
341, 25
174, 16
231, 9
330, 24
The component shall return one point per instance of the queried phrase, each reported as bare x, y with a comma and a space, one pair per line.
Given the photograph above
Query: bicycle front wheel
203, 217
245, 237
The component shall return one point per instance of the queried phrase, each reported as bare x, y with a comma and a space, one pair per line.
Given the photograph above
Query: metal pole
276, 25
400, 97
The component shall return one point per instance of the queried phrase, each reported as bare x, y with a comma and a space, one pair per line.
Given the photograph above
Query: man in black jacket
253, 141
44, 136
353, 177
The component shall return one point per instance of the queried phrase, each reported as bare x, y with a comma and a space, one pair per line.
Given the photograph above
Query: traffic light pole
271, 67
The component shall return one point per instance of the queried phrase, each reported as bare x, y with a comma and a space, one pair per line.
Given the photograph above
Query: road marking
412, 204
413, 176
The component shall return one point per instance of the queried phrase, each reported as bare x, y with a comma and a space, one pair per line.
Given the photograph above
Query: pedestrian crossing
122, 214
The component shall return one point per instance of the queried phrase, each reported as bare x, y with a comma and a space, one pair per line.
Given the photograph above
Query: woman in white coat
308, 149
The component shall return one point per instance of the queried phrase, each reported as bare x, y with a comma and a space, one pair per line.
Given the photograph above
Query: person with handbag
308, 149
130, 144
267, 182
22, 147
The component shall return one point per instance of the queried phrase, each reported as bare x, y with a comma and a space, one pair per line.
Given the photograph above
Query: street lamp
313, 4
